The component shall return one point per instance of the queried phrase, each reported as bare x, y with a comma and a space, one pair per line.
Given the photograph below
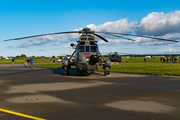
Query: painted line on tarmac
20, 114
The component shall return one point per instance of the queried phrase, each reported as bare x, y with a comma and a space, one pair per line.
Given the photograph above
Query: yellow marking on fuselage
21, 114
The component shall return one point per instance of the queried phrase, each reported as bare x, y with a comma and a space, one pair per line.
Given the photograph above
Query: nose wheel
106, 72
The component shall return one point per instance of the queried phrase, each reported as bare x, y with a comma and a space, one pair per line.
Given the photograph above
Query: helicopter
116, 57
86, 51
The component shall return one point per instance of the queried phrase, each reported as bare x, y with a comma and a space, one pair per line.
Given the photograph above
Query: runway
42, 93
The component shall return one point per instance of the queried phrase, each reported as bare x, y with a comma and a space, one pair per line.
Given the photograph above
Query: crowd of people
29, 62
167, 60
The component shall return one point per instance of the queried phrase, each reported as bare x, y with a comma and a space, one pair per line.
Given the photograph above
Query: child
25, 65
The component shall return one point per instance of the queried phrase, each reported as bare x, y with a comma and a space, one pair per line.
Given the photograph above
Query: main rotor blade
126, 53
100, 37
122, 37
139, 36
41, 35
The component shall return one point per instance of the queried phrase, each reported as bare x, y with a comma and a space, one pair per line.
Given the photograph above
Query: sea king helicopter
116, 57
86, 51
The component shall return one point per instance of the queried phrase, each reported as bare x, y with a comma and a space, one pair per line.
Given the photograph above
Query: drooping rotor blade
122, 37
139, 36
100, 37
41, 35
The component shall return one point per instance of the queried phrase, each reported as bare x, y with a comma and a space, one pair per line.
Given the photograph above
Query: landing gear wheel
67, 72
108, 72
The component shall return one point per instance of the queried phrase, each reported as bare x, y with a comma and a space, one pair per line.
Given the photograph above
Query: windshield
93, 49
87, 48
81, 48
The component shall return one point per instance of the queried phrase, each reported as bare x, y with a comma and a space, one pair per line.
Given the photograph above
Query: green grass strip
137, 68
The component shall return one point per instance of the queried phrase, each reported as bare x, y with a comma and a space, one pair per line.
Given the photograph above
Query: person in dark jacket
53, 57
144, 60
161, 59
13, 61
27, 61
164, 60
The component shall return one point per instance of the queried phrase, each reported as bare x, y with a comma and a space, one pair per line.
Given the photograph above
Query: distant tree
18, 56
23, 55
116, 53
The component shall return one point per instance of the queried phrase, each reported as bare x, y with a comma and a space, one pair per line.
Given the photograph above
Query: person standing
12, 61
175, 59
144, 60
164, 60
31, 62
27, 61
53, 57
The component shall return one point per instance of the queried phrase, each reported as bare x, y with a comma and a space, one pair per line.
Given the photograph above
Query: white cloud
121, 25
169, 50
66, 46
159, 23
176, 45
42, 40
42, 49
56, 44
115, 42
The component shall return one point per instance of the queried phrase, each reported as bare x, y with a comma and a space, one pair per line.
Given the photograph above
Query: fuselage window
81, 48
87, 48
93, 48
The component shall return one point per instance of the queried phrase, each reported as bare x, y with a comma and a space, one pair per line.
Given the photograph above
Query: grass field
141, 60
130, 60
137, 68
23, 61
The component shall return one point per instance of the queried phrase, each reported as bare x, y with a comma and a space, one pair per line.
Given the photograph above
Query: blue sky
23, 18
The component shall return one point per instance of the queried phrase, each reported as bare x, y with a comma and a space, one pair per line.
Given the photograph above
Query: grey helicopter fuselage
87, 54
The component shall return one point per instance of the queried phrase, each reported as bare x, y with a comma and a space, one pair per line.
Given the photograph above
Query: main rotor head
86, 31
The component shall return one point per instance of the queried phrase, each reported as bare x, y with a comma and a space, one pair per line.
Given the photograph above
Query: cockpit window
81, 48
93, 49
87, 48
